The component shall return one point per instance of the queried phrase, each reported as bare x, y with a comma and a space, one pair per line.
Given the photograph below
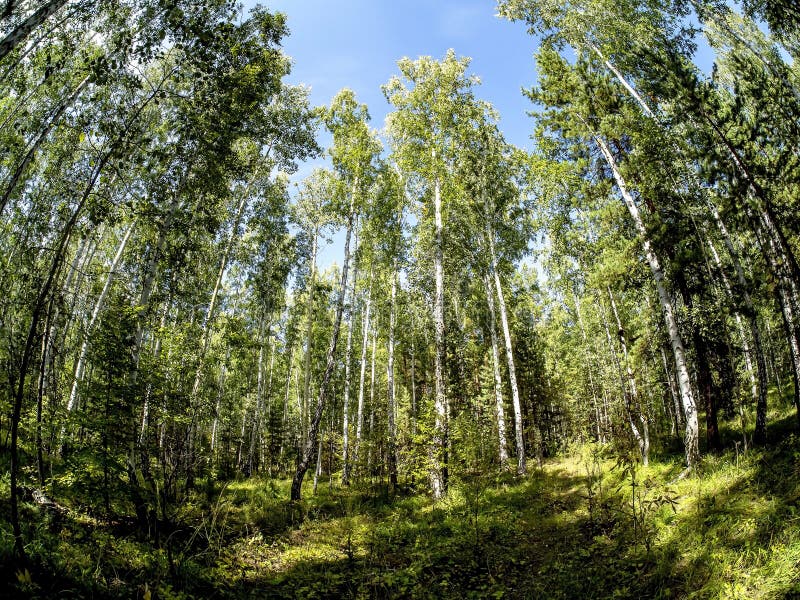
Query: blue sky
357, 43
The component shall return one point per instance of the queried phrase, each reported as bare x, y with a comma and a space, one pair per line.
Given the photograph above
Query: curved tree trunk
692, 449
17, 380
29, 156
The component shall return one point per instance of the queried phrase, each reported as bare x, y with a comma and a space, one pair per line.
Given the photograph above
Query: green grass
569, 530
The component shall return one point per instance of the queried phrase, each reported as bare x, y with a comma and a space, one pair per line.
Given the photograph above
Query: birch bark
691, 442
308, 449
512, 373
498, 382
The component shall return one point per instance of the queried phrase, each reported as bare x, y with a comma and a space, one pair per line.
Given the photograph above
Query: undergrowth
592, 524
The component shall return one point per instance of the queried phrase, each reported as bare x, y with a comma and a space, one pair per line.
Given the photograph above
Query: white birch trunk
148, 393
512, 373
687, 397
285, 416
212, 305
643, 435
390, 384
80, 365
348, 353
372, 392
624, 392
255, 432
498, 382
306, 398
413, 384
318, 469
593, 389
781, 264
631, 90
439, 473
676, 403
758, 380
297, 480
364, 345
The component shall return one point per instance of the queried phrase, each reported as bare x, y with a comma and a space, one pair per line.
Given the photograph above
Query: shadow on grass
488, 538
491, 537
739, 536
517, 540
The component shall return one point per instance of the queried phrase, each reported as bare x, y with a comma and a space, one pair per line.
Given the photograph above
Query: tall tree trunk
439, 458
150, 272
372, 396
306, 398
223, 372
148, 392
207, 329
364, 345
498, 382
777, 252
759, 389
348, 353
623, 388
789, 307
212, 305
285, 416
28, 158
80, 365
705, 387
21, 32
311, 442
40, 392
254, 454
512, 373
621, 78
17, 381
589, 356
746, 351
676, 403
318, 469
643, 436
268, 402
255, 431
413, 384
392, 450
681, 364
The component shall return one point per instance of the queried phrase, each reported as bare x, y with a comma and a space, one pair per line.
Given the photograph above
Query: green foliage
725, 532
164, 323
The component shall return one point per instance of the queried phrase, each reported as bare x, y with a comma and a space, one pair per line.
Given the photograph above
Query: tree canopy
178, 352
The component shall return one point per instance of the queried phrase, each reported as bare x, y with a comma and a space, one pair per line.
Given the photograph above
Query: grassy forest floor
572, 529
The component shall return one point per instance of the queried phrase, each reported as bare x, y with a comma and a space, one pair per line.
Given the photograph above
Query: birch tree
353, 152
434, 107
